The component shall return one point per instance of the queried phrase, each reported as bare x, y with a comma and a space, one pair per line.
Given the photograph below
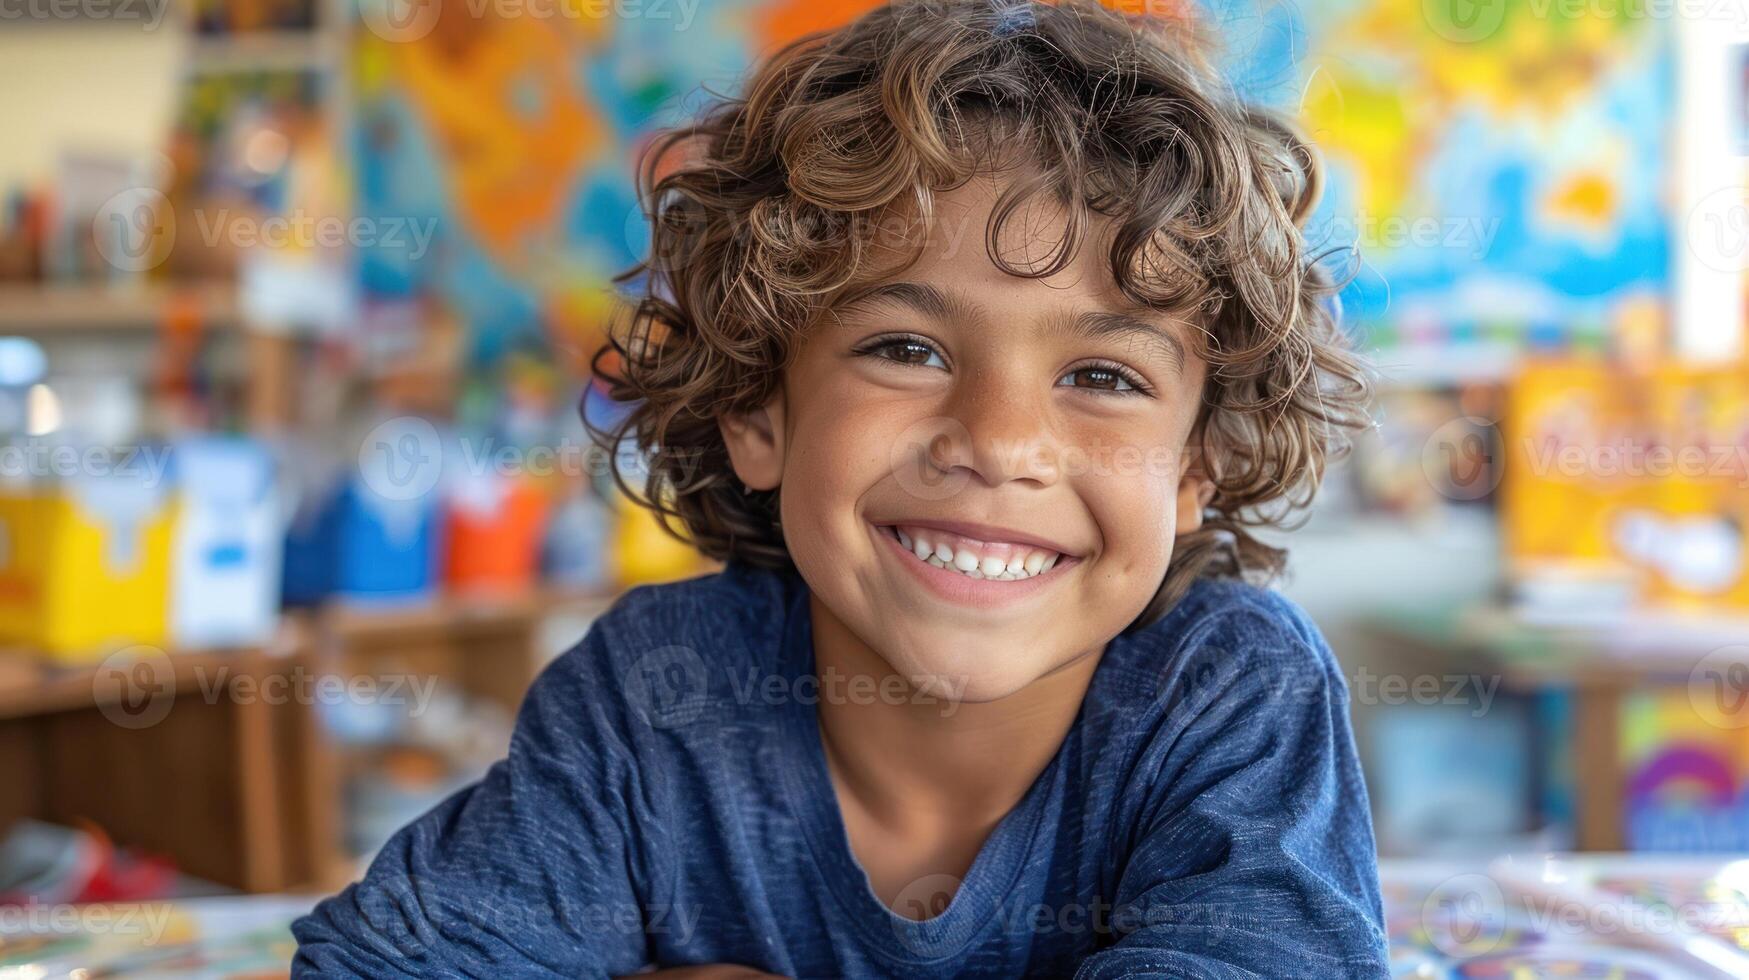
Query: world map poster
1497, 170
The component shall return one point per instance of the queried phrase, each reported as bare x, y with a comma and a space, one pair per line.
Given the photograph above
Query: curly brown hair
760, 207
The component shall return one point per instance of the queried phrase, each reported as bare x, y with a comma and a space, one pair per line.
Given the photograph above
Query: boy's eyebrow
1100, 323
920, 296
939, 304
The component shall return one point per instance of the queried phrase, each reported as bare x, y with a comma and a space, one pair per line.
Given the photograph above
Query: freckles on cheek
860, 438
1139, 523
838, 454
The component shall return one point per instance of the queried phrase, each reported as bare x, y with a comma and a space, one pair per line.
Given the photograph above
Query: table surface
1628, 917
1625, 650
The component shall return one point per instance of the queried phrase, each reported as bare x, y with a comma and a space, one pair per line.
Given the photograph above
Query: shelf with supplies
31, 686
95, 307
255, 51
183, 754
151, 730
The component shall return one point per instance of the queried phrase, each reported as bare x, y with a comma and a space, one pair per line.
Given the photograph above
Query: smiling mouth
996, 561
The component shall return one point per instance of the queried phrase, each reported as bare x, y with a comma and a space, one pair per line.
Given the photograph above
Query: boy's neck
917, 758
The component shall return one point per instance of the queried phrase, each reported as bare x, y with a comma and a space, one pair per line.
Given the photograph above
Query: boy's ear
755, 443
1195, 490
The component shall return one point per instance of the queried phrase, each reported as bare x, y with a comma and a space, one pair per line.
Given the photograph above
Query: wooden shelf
32, 685
248, 790
358, 621
253, 51
226, 778
41, 309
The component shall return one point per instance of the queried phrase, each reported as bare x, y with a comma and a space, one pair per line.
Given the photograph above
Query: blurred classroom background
297, 301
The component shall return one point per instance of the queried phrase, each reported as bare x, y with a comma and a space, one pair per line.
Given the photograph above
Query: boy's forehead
956, 249
961, 216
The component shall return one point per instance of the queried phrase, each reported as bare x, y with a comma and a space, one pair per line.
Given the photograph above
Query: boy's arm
532, 871
1255, 853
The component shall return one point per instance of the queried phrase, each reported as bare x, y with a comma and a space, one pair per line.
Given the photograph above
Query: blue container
353, 543
310, 540
385, 549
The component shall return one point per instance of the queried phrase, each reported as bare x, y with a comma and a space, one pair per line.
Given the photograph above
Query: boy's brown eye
1104, 379
913, 352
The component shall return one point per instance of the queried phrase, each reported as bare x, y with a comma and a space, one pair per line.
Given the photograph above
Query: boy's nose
1002, 437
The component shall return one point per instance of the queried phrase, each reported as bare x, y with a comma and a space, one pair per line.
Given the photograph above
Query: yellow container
1700, 518
85, 566
1642, 471
1556, 503
644, 553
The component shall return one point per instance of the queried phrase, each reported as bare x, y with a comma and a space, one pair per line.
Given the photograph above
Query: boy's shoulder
1231, 628
1233, 604
1230, 663
663, 652
738, 601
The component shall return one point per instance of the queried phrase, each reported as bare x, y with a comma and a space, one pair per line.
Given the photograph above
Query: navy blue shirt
666, 802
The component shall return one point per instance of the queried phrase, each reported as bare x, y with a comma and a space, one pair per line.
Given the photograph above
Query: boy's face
1027, 435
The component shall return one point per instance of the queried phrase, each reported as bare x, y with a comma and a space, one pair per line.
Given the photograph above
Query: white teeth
1022, 563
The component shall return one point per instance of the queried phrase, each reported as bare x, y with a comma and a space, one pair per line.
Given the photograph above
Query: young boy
976, 337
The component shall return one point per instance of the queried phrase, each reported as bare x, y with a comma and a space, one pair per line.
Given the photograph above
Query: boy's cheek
839, 430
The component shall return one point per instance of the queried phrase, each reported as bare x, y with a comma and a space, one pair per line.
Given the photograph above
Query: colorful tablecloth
1616, 917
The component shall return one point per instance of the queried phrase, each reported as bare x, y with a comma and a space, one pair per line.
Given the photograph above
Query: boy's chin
950, 679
